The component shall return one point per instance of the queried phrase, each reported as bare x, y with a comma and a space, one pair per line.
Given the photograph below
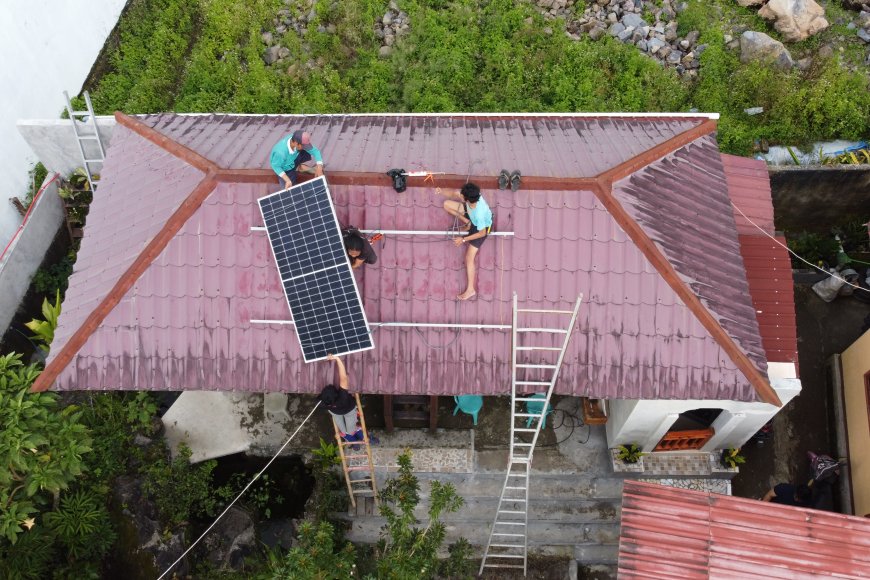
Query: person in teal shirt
295, 154
469, 207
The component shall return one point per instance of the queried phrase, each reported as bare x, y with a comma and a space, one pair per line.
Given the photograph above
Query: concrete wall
23, 257
646, 422
48, 47
816, 198
54, 143
856, 363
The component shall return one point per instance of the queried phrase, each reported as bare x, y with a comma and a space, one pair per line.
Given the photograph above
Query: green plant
81, 525
731, 457
36, 176
406, 551
630, 453
41, 447
326, 455
813, 247
181, 491
259, 496
55, 277
44, 329
314, 558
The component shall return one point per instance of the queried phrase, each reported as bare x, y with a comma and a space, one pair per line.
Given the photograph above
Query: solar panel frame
316, 274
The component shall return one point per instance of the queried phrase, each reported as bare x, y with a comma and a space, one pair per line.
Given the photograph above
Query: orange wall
856, 363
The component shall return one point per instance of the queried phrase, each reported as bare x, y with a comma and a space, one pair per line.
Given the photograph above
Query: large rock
795, 19
856, 4
271, 54
231, 540
759, 46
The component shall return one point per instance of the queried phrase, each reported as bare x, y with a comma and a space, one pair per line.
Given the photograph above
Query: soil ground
806, 423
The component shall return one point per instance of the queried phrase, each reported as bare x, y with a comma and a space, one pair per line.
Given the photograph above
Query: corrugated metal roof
185, 324
569, 146
768, 265
670, 533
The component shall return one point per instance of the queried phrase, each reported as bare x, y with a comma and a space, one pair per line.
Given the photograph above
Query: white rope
256, 477
843, 280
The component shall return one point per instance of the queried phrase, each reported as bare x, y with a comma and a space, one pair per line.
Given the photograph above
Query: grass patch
464, 55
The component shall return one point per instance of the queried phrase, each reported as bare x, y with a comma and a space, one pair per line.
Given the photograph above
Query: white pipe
408, 325
407, 232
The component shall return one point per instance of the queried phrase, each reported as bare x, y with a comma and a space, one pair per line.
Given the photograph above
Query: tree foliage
314, 557
41, 447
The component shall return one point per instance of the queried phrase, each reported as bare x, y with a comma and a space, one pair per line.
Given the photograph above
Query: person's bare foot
467, 295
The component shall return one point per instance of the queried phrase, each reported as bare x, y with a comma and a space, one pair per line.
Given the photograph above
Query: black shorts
473, 230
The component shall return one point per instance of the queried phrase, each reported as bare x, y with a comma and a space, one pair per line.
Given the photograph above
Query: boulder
633, 20
271, 54
385, 51
597, 33
759, 46
654, 45
692, 37
231, 540
795, 19
267, 38
856, 4
615, 29
864, 35
283, 52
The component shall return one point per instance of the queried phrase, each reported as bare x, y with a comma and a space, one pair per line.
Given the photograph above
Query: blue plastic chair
536, 407
469, 404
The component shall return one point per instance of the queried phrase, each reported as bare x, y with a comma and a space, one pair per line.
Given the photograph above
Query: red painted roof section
548, 146
768, 265
186, 323
670, 533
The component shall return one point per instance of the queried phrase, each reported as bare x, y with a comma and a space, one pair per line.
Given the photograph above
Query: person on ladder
341, 404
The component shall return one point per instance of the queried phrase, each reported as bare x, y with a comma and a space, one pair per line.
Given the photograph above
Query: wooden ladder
358, 462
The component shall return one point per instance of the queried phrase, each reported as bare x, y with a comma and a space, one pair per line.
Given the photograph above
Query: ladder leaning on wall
84, 124
357, 464
532, 369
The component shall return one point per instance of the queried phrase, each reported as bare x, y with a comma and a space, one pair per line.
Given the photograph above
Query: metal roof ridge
543, 115
604, 193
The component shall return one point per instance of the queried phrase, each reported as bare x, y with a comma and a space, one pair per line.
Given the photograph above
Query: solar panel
316, 274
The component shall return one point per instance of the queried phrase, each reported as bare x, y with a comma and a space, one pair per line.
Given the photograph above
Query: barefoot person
472, 211
295, 154
341, 404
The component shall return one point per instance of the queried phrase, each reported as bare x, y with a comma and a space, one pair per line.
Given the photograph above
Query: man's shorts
473, 230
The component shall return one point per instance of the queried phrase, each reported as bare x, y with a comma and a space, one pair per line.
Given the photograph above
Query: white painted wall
48, 46
645, 422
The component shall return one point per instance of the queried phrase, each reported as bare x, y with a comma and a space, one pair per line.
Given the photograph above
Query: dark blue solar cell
318, 281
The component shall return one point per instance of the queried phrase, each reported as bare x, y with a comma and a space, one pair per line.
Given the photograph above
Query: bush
180, 491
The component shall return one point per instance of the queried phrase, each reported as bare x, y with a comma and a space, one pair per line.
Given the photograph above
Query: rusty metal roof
185, 321
680, 534
767, 263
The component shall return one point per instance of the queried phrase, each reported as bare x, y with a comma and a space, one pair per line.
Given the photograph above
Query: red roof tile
186, 322
670, 533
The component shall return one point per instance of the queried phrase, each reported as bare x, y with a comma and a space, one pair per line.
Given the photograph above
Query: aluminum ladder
534, 343
84, 124
358, 462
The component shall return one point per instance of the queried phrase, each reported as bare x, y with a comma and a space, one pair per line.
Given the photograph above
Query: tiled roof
680, 534
185, 323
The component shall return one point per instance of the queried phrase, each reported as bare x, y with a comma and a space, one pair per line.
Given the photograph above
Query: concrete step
576, 511
597, 554
547, 537
544, 486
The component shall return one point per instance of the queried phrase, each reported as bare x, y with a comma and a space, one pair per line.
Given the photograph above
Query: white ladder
358, 461
532, 369
84, 125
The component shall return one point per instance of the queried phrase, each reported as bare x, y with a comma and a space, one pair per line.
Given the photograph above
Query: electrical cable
241, 493
790, 251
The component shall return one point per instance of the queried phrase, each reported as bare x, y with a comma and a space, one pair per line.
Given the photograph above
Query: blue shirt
283, 161
480, 215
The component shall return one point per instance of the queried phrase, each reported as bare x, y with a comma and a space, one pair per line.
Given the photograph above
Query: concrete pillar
724, 426
656, 434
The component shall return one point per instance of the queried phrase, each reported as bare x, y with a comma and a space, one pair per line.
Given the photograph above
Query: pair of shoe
506, 179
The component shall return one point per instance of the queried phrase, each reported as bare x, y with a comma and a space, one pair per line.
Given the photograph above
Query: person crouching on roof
469, 207
295, 154
358, 248
341, 404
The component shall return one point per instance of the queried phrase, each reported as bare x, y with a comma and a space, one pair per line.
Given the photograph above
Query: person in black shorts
469, 207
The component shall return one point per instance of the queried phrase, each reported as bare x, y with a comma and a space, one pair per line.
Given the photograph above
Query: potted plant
630, 453
731, 457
